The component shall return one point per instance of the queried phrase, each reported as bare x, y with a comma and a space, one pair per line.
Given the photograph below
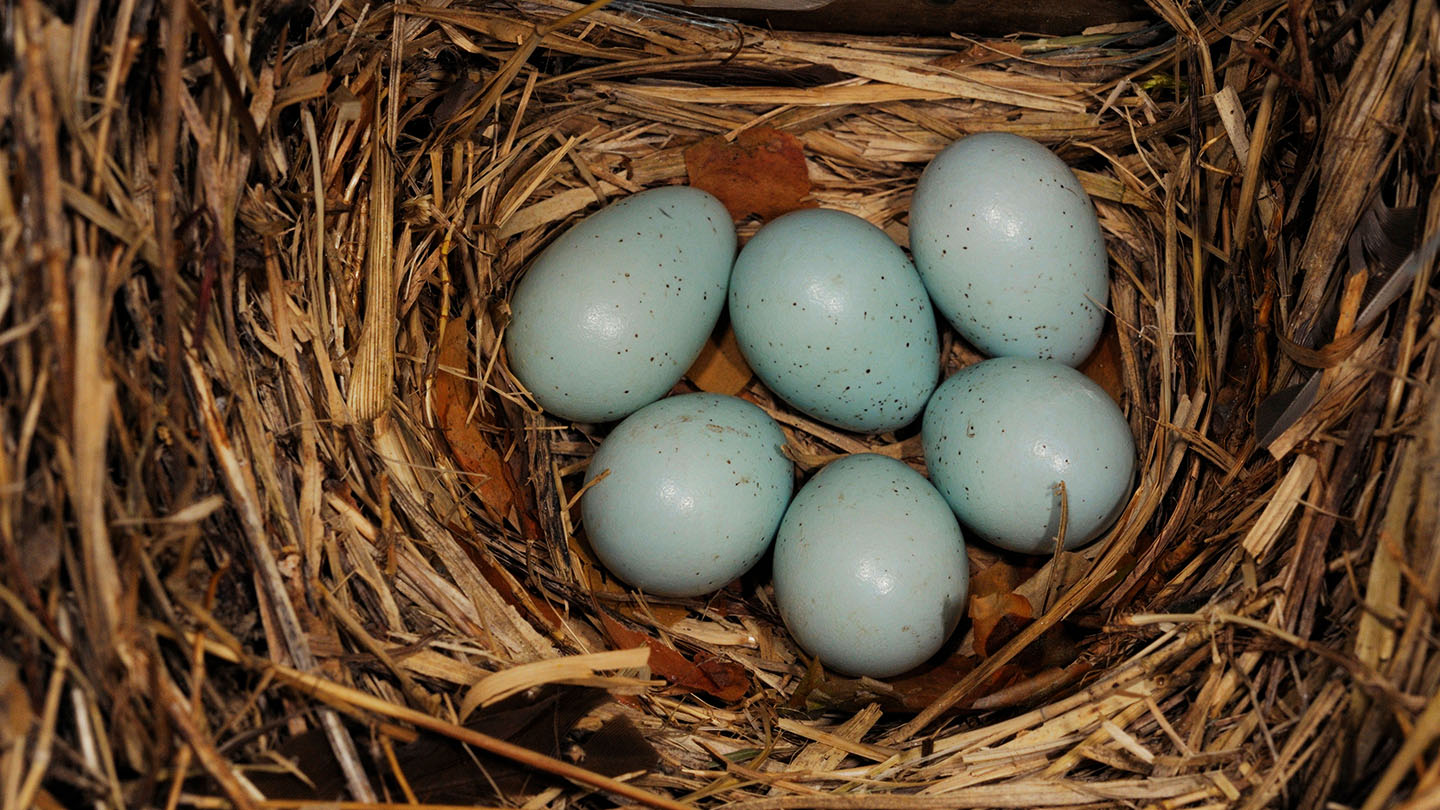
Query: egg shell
1010, 248
694, 487
614, 311
832, 316
999, 436
870, 568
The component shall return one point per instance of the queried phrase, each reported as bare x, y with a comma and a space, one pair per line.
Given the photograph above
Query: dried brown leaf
997, 619
721, 367
1104, 366
980, 53
469, 446
762, 173
16, 713
723, 679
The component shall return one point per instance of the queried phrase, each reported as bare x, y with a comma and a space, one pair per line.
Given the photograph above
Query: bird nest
280, 527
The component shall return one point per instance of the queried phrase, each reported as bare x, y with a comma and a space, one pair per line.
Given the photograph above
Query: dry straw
231, 235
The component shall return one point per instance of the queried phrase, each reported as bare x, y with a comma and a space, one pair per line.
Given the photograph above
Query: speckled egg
870, 568
832, 316
999, 436
611, 315
1010, 248
693, 488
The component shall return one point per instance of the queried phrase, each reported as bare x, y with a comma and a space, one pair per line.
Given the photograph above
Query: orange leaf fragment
16, 712
997, 619
762, 173
997, 577
721, 368
1103, 364
997, 612
981, 53
452, 396
726, 680
509, 588
663, 615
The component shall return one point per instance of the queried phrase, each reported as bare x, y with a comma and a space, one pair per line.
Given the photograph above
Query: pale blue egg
870, 568
613, 313
693, 488
832, 316
1010, 248
999, 436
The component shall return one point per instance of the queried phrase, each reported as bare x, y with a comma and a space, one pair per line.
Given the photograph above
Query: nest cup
273, 494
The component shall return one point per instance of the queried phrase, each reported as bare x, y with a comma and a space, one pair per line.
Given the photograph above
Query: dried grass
227, 516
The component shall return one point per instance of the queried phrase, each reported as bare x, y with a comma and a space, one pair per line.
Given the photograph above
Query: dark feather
1383, 244
618, 747
1388, 235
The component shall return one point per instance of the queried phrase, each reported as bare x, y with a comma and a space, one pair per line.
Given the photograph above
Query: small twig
1424, 732
413, 693
241, 485
165, 182
1354, 13
228, 79
1258, 138
1362, 675
1052, 583
45, 740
